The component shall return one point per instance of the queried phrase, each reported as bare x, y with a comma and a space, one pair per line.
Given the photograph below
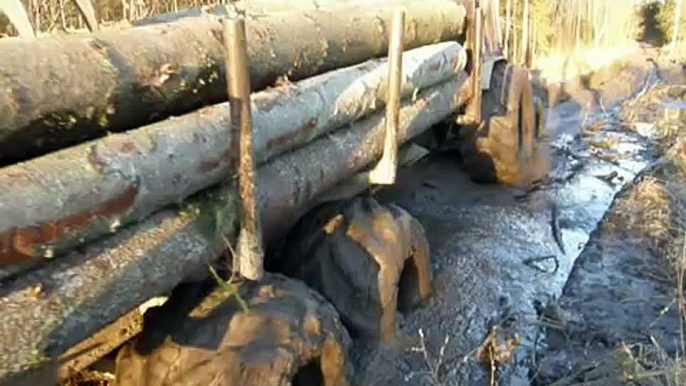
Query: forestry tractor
345, 268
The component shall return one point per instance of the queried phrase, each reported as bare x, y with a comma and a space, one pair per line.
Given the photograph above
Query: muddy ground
502, 257
569, 281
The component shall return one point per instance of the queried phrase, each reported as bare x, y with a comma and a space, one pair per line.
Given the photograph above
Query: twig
555, 227
529, 262
434, 372
249, 258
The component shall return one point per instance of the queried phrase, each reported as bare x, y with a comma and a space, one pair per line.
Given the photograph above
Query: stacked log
129, 216
60, 91
253, 8
53, 308
124, 178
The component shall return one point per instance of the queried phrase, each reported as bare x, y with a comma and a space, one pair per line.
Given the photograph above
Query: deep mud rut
500, 254
506, 261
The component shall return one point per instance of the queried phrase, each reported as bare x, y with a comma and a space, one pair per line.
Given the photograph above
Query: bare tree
677, 21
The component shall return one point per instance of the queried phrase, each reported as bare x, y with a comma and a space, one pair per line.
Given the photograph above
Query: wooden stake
249, 252
17, 15
472, 115
385, 171
477, 47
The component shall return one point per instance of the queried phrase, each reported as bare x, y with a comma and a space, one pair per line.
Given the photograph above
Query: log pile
93, 225
112, 81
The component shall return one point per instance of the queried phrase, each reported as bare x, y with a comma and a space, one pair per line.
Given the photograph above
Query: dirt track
495, 250
502, 257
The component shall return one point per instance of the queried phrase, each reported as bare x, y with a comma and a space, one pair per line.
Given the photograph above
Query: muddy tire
507, 147
369, 260
291, 335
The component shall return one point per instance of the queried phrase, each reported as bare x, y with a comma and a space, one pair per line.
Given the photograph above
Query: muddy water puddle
497, 251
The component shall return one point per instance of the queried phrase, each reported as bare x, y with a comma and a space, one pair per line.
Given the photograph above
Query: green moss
103, 120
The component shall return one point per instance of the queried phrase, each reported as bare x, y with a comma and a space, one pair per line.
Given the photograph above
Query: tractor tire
289, 336
369, 260
507, 146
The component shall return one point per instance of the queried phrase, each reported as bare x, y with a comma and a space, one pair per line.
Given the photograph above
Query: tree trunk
677, 22
508, 28
125, 177
48, 310
59, 91
255, 8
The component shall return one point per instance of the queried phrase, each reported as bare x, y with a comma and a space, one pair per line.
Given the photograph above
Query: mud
622, 289
275, 332
530, 285
500, 255
367, 259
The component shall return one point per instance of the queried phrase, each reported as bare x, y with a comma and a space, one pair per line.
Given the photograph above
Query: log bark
62, 90
73, 196
48, 310
259, 8
253, 8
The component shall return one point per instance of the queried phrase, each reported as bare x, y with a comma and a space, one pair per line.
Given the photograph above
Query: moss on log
48, 310
73, 196
62, 90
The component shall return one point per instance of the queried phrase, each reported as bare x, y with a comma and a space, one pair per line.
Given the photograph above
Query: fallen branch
70, 197
92, 287
58, 91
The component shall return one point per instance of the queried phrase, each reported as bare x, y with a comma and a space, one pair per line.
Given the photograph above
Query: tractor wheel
289, 335
507, 146
369, 260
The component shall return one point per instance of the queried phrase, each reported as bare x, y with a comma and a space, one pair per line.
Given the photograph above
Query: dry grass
647, 212
648, 108
89, 378
48, 16
662, 201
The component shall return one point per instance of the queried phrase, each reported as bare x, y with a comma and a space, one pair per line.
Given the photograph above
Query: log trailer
116, 144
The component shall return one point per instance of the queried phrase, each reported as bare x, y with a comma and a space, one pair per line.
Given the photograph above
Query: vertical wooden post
477, 46
472, 115
249, 252
384, 173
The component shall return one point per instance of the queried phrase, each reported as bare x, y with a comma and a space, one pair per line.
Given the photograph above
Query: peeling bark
67, 198
94, 286
253, 8
62, 90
